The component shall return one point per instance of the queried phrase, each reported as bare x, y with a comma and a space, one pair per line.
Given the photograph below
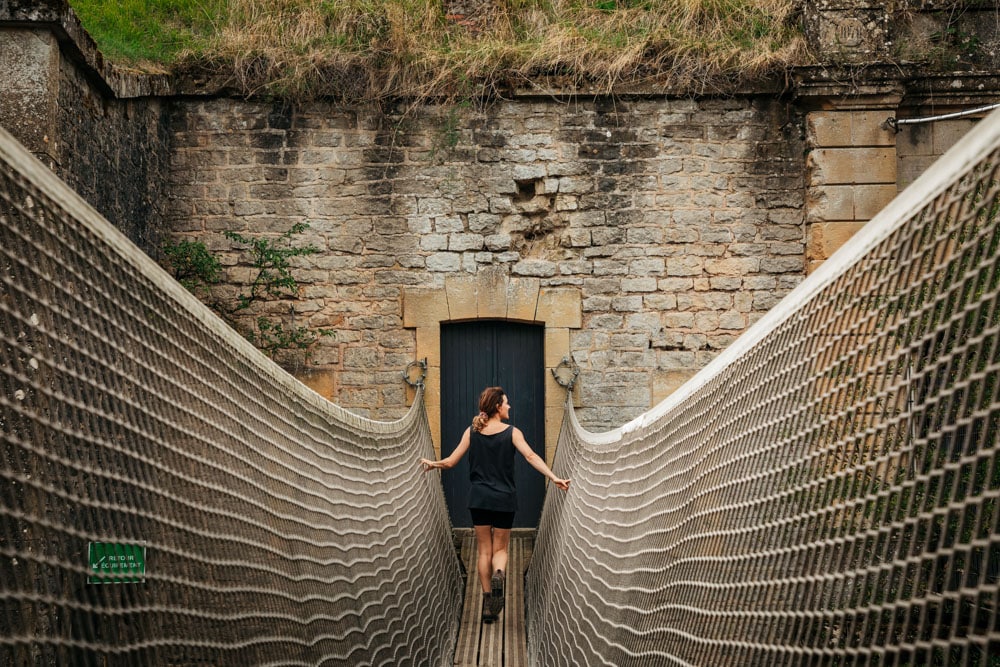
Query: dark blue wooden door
487, 353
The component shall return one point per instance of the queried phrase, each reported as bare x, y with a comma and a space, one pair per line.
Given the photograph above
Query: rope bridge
826, 491
171, 497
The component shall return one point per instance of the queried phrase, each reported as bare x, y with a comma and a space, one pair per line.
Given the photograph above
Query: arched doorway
487, 353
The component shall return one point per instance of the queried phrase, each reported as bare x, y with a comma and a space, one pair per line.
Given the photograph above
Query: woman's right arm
452, 459
536, 461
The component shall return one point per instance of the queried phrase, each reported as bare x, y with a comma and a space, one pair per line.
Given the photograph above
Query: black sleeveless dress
491, 471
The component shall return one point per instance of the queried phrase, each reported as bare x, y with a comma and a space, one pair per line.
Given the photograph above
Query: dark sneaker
488, 614
496, 585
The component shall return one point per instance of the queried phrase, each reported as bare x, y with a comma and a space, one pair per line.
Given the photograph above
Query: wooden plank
515, 648
491, 643
467, 647
502, 643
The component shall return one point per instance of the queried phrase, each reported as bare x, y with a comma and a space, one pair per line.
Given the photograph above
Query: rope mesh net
276, 528
826, 491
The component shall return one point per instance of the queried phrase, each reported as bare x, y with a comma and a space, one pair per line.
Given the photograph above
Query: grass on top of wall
151, 34
369, 50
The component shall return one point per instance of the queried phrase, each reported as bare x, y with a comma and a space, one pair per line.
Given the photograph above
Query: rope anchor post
566, 367
408, 373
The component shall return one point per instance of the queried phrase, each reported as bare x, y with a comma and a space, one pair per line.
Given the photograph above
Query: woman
492, 498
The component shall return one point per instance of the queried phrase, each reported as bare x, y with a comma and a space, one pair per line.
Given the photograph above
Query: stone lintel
463, 298
522, 299
424, 307
491, 294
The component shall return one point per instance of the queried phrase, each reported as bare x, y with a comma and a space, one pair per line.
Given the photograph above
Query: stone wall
669, 225
678, 222
105, 133
115, 153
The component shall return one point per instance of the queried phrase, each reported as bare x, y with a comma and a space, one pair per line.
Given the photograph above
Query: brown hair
489, 404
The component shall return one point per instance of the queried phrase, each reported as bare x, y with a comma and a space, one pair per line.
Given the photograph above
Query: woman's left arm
452, 460
536, 461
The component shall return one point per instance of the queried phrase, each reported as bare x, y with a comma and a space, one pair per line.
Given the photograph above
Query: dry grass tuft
373, 50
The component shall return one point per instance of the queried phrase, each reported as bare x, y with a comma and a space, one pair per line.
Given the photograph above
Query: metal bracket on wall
570, 369
408, 373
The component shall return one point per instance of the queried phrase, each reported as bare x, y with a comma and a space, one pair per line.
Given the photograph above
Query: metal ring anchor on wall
408, 373
566, 367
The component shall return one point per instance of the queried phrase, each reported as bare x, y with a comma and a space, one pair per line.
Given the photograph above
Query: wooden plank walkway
501, 643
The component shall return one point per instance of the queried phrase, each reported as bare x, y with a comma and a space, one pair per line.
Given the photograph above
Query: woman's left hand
561, 483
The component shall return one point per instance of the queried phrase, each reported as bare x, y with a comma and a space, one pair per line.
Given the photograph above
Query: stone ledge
78, 46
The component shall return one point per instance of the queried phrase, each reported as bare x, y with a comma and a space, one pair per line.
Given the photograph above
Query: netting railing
171, 497
826, 491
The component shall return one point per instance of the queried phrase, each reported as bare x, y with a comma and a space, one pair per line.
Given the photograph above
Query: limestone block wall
677, 223
852, 175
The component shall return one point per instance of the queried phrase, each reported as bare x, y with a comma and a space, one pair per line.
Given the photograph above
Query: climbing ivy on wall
197, 268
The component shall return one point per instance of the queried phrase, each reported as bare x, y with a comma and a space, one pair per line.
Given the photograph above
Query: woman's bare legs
501, 541
492, 545
484, 547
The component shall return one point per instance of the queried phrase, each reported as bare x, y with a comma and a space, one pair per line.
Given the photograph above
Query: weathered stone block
826, 238
639, 285
535, 267
559, 307
782, 264
444, 262
684, 266
947, 133
832, 166
733, 266
622, 304
850, 128
360, 357
870, 199
463, 297
462, 242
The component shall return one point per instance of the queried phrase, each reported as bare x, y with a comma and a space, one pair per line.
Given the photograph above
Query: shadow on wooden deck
502, 643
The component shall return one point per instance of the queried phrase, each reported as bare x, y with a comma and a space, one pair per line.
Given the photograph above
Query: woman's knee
501, 539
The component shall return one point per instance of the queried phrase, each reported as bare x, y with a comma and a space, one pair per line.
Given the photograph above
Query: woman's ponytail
489, 404
479, 421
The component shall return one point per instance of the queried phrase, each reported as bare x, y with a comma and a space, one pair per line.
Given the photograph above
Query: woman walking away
492, 498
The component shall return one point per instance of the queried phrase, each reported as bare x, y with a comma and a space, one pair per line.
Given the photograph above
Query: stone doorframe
493, 295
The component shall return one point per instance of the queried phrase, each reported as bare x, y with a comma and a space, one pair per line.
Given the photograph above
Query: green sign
117, 563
